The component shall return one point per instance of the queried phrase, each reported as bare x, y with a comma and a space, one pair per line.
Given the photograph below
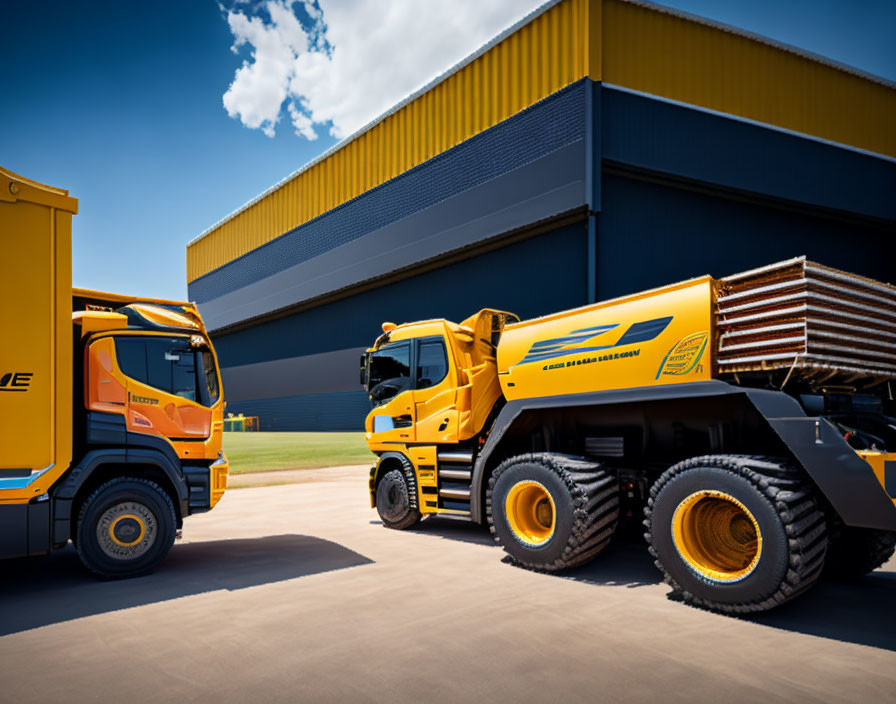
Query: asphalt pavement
297, 593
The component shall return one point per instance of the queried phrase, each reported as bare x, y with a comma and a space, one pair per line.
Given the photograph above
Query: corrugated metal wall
670, 56
641, 47
539, 59
524, 152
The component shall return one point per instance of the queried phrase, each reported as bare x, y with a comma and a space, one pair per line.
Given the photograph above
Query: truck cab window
166, 363
432, 363
390, 372
131, 354
210, 376
183, 370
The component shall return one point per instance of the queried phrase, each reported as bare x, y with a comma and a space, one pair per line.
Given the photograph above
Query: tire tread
83, 551
595, 497
793, 497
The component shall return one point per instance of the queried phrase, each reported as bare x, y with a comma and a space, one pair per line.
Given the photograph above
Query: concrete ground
297, 594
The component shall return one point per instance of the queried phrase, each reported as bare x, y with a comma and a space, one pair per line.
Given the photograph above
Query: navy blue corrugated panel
531, 277
335, 411
660, 136
550, 124
651, 234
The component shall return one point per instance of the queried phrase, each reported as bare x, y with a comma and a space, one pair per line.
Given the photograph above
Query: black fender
388, 458
842, 476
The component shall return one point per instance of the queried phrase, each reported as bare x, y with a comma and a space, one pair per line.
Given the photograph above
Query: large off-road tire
854, 552
125, 528
734, 533
550, 511
396, 499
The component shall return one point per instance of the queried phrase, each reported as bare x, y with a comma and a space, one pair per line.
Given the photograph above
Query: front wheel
395, 501
125, 528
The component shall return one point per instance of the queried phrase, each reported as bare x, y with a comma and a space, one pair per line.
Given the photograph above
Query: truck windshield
390, 372
170, 364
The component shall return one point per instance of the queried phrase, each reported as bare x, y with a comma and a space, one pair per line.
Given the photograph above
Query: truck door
163, 384
435, 392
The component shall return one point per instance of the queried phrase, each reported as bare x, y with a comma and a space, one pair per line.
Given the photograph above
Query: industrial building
596, 148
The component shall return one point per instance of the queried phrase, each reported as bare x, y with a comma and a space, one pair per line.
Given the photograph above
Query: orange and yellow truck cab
111, 406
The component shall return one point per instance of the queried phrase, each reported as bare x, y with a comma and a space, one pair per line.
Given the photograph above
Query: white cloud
338, 64
303, 125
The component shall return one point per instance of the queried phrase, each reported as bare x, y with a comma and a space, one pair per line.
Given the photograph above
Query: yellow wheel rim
130, 518
717, 536
530, 513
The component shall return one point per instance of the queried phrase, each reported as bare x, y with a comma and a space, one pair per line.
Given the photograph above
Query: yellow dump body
40, 314
661, 336
35, 317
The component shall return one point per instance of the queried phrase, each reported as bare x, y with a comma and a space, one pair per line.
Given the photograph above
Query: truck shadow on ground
40, 591
461, 531
860, 612
619, 566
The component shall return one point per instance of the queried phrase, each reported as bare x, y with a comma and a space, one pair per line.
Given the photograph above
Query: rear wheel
551, 512
854, 552
736, 534
125, 528
396, 500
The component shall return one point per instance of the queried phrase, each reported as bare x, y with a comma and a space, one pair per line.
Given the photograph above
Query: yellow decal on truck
684, 355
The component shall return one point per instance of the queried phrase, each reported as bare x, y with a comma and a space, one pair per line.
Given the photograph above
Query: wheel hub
126, 531
717, 536
530, 513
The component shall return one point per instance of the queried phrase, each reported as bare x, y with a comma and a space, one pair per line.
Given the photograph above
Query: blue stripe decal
21, 482
564, 353
642, 332
557, 341
598, 328
638, 332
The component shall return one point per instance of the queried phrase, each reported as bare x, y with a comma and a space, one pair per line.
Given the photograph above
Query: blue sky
121, 102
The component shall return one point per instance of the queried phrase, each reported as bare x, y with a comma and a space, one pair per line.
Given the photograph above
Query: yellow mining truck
110, 406
749, 421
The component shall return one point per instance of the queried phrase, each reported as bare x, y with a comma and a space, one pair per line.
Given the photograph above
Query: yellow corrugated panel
540, 58
682, 59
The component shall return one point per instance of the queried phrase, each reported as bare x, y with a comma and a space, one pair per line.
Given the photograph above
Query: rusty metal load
820, 324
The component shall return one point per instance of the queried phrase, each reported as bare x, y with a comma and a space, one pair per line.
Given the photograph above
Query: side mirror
364, 370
